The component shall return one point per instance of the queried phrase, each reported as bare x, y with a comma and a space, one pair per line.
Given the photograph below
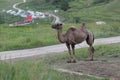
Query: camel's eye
59, 24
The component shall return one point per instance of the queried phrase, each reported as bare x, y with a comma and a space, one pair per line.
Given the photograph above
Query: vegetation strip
51, 49
76, 73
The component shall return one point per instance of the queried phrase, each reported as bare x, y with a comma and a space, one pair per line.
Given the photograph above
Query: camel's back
75, 35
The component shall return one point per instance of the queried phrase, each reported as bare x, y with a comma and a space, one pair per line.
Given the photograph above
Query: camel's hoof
69, 61
89, 60
74, 61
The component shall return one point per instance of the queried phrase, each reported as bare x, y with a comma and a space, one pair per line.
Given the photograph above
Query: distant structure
24, 1
100, 22
29, 18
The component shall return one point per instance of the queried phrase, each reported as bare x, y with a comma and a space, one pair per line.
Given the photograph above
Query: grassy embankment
7, 4
41, 68
107, 12
82, 10
42, 35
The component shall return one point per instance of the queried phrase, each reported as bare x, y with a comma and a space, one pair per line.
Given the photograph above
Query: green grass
8, 18
31, 36
41, 7
42, 35
26, 37
34, 70
101, 51
79, 9
41, 68
105, 51
108, 12
7, 4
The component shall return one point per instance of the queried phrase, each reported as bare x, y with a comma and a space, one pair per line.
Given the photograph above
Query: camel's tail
92, 49
90, 38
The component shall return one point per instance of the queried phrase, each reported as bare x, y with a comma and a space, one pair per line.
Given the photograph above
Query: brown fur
74, 36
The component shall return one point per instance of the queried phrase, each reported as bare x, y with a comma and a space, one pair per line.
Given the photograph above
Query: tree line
62, 4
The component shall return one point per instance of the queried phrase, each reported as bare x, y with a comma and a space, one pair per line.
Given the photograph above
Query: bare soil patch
99, 68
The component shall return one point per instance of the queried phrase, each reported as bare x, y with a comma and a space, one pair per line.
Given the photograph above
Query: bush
64, 5
1, 18
76, 19
101, 1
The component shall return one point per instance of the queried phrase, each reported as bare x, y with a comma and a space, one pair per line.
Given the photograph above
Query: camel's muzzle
53, 26
57, 26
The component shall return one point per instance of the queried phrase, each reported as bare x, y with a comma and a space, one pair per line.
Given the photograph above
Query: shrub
1, 18
101, 1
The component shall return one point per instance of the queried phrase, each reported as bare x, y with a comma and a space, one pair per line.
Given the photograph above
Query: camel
74, 36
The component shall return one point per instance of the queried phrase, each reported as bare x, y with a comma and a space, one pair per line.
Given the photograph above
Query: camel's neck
60, 36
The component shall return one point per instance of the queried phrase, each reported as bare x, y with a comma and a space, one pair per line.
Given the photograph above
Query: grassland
30, 36
41, 68
108, 12
83, 10
7, 4
34, 70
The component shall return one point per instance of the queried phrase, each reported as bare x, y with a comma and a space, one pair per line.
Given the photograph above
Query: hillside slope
104, 11
7, 4
82, 10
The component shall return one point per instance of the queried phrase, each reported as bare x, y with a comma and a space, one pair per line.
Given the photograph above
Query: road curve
16, 4
56, 18
54, 49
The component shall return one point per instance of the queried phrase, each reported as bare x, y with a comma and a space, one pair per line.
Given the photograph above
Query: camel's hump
72, 28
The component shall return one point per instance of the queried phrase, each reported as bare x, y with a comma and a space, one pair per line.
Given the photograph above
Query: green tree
64, 5
1, 18
38, 1
101, 1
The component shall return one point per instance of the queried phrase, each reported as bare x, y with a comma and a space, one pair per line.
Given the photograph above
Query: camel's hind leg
90, 41
91, 50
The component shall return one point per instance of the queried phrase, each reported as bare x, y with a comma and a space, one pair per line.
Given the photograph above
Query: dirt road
54, 49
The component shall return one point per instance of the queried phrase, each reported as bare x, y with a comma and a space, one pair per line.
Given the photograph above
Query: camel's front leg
69, 51
73, 51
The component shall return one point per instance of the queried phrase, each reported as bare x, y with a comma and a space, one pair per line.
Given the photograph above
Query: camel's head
57, 26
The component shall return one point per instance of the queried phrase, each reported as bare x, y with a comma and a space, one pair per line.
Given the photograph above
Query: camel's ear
83, 24
61, 24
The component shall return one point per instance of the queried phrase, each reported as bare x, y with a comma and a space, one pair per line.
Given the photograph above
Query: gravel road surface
54, 49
